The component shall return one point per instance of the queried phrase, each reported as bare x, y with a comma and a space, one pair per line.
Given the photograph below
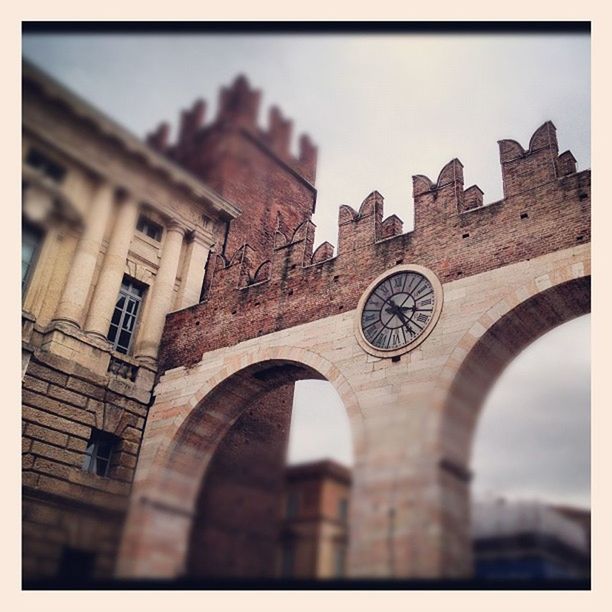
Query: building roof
131, 143
502, 518
319, 469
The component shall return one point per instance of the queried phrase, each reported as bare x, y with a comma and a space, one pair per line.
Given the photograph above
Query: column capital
175, 225
202, 237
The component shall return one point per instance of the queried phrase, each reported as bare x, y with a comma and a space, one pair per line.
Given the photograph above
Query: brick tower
254, 169
248, 165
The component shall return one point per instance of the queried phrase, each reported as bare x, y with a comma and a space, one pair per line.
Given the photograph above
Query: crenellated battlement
238, 108
435, 204
540, 163
546, 207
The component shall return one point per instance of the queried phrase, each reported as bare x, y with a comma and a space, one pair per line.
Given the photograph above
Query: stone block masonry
64, 506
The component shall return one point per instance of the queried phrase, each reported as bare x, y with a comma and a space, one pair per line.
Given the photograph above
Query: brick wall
455, 236
250, 166
237, 524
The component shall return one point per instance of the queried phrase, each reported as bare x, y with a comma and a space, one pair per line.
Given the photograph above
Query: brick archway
472, 369
170, 475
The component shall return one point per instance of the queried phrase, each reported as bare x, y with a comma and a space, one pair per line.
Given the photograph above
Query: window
343, 510
293, 504
99, 452
76, 564
35, 159
123, 323
150, 228
339, 559
31, 239
288, 560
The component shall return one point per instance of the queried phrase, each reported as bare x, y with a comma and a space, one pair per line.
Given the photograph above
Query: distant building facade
314, 536
530, 541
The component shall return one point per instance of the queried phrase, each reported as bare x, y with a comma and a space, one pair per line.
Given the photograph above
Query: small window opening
31, 240
150, 228
524, 215
99, 452
35, 159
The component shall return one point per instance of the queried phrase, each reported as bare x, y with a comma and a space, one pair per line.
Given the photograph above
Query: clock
398, 310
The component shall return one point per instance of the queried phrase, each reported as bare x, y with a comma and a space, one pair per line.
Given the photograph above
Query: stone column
72, 303
160, 299
194, 268
108, 285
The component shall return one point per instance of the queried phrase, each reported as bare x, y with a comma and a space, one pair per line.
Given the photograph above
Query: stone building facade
115, 236
209, 467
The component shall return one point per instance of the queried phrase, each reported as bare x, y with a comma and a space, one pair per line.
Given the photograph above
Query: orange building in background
314, 537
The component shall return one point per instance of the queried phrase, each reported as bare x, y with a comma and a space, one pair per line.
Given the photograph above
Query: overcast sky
382, 108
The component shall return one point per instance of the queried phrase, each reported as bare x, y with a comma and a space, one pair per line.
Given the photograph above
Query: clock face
399, 310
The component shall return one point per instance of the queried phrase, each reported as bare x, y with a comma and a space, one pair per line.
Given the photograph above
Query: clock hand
405, 321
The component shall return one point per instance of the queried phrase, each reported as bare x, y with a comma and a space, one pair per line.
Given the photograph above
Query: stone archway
156, 540
472, 369
412, 420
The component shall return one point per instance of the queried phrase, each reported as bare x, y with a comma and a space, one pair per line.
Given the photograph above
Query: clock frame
395, 351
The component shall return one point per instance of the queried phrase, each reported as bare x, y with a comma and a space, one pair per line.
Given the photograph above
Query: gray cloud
533, 439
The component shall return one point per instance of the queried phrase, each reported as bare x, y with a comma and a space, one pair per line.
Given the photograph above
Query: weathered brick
57, 454
29, 479
39, 417
76, 399
34, 384
44, 373
85, 388
48, 435
129, 446
51, 467
76, 444
43, 402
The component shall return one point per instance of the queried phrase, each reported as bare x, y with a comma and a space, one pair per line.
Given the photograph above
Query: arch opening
224, 482
500, 343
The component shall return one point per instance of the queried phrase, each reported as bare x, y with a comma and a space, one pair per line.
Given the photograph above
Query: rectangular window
339, 559
31, 239
343, 510
99, 452
150, 228
35, 159
293, 504
288, 560
123, 323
